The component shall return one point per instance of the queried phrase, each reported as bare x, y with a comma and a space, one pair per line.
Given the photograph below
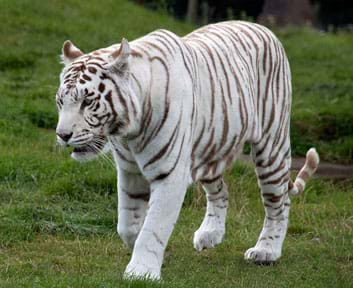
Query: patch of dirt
325, 170
328, 170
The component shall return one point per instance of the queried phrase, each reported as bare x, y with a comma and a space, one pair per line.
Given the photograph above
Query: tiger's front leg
133, 196
164, 206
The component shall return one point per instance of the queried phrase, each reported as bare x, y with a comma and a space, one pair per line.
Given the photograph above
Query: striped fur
178, 110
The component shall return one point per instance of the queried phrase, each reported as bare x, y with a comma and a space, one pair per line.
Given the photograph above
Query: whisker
100, 141
108, 159
95, 149
103, 156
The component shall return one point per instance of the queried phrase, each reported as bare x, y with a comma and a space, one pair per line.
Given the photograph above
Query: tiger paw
207, 238
262, 256
140, 272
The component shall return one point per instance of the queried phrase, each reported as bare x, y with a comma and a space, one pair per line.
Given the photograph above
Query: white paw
141, 271
207, 238
261, 255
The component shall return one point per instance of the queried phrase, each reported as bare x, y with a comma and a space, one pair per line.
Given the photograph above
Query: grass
322, 114
58, 218
66, 237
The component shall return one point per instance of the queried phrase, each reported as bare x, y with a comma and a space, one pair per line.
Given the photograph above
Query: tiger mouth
84, 149
98, 146
84, 153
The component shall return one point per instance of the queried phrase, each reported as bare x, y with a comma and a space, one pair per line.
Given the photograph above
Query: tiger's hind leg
273, 178
212, 229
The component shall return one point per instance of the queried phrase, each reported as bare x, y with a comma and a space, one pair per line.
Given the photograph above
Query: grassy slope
57, 218
322, 114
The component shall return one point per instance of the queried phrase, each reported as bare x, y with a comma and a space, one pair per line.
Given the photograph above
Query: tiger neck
140, 85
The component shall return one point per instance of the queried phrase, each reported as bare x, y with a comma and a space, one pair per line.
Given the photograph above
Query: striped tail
309, 168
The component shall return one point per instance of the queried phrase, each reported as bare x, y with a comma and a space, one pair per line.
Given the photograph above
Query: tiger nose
65, 137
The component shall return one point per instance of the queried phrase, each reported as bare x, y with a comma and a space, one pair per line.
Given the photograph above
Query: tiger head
94, 98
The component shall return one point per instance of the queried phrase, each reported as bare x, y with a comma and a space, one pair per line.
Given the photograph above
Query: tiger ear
119, 59
70, 52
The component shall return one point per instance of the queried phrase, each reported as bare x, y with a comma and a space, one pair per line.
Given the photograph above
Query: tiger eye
92, 70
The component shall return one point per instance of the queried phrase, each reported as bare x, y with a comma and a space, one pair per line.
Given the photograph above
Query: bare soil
325, 170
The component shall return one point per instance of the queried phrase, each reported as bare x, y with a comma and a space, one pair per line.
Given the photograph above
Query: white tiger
178, 110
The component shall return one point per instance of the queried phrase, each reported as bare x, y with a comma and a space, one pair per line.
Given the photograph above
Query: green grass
64, 235
322, 113
58, 218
